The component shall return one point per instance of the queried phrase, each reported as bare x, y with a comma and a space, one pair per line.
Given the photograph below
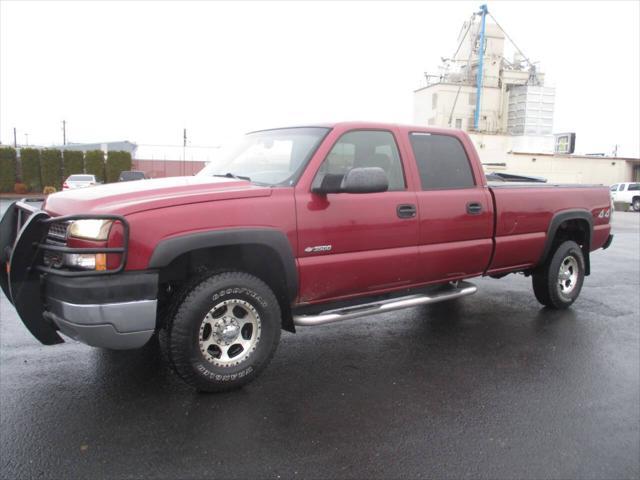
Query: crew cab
291, 227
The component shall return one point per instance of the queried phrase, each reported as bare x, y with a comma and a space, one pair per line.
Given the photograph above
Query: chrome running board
462, 289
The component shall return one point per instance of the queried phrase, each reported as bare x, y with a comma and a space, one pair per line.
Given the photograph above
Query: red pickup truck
290, 227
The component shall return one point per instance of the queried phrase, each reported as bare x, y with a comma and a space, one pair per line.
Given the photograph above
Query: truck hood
124, 198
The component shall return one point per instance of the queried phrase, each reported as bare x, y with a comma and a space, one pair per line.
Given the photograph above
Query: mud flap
24, 280
8, 226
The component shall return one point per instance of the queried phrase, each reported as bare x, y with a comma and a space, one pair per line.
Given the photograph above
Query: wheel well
255, 259
577, 230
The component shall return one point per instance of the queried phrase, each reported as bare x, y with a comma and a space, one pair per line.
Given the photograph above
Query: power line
510, 39
465, 35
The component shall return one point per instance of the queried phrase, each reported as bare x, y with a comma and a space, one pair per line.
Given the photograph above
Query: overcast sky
143, 71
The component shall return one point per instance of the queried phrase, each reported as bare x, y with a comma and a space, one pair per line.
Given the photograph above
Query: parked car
295, 227
627, 192
79, 181
130, 175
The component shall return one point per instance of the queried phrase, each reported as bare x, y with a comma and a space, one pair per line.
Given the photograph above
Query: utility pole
479, 77
15, 140
26, 139
615, 150
184, 148
64, 132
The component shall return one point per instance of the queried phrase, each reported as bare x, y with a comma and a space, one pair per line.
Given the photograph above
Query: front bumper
119, 326
115, 310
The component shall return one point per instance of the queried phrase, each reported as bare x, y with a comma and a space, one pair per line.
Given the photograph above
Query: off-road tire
546, 279
181, 338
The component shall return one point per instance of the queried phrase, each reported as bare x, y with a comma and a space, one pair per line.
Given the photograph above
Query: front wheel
558, 282
224, 332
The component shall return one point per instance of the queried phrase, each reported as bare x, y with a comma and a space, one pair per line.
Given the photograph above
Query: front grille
58, 231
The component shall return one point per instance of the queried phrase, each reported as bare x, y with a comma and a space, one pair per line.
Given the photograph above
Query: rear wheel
636, 204
557, 284
224, 332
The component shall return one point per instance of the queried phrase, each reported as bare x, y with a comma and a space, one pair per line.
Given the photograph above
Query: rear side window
634, 187
442, 162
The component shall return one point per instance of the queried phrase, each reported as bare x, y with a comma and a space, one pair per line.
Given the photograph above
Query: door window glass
442, 162
365, 148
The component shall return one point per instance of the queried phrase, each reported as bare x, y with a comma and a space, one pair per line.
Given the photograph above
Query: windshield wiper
231, 175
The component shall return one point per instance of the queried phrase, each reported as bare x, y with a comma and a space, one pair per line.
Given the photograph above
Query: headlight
90, 229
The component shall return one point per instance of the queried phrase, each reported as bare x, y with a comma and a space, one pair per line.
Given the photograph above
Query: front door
354, 243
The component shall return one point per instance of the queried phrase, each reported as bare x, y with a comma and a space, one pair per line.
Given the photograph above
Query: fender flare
556, 221
168, 250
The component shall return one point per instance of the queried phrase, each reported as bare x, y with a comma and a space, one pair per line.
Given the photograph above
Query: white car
628, 192
79, 181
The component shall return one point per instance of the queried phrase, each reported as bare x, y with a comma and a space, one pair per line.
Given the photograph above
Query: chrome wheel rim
568, 275
229, 332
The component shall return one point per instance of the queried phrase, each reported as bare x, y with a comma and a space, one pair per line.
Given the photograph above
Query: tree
117, 162
94, 164
73, 162
30, 162
51, 168
7, 169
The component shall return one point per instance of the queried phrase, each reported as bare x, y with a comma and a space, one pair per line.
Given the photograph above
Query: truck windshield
272, 157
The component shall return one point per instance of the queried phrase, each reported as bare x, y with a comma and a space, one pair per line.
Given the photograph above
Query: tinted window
131, 175
634, 186
365, 148
81, 178
442, 161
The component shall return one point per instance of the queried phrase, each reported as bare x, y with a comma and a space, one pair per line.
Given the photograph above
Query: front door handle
406, 210
474, 208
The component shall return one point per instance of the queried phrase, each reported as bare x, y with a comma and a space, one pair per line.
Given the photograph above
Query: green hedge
51, 168
30, 161
94, 164
117, 162
7, 169
73, 162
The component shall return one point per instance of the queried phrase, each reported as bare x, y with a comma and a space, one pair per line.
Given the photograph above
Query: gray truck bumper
118, 326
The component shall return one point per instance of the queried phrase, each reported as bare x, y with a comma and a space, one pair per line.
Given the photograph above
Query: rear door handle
474, 208
406, 210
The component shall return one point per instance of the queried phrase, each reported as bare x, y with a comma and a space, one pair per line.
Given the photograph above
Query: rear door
456, 210
350, 244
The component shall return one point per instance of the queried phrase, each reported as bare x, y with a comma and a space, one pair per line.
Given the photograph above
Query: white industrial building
513, 131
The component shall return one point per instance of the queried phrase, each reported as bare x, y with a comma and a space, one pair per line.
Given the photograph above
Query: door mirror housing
356, 180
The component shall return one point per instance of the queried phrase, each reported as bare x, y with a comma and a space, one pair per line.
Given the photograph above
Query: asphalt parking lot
490, 386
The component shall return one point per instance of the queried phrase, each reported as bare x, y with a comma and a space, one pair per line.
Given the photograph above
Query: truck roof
368, 125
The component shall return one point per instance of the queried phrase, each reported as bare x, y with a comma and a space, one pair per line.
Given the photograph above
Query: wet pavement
490, 386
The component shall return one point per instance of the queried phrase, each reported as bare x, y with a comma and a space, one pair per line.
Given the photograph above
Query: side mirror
365, 180
356, 180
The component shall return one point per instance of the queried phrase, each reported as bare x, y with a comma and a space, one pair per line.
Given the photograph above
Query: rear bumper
607, 243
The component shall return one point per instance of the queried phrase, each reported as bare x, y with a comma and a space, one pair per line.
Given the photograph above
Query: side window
634, 187
365, 148
621, 187
442, 162
614, 188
